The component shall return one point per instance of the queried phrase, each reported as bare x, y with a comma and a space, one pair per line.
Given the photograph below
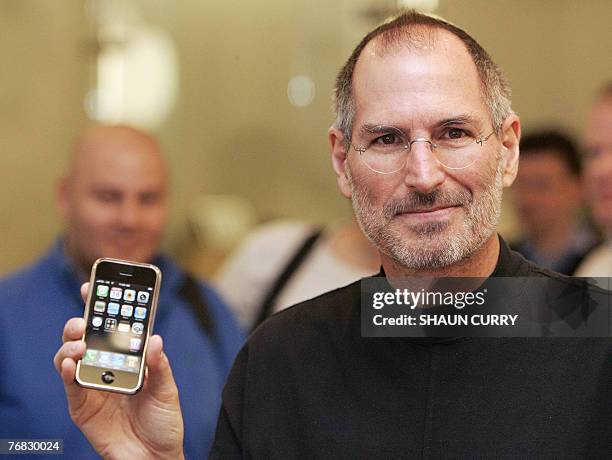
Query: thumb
160, 381
84, 291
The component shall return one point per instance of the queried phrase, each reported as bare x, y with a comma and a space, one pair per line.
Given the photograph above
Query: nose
129, 214
423, 171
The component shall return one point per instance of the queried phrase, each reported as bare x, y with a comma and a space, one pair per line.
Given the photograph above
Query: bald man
114, 203
598, 181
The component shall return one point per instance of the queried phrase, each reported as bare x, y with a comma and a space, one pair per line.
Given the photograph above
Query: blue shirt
34, 306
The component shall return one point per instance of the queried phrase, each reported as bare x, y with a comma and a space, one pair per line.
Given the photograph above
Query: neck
480, 264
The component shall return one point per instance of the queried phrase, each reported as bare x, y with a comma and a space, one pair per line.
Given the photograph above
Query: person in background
598, 181
114, 203
302, 261
548, 195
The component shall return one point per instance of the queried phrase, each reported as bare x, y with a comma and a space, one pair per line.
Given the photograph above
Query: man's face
425, 216
115, 202
598, 163
546, 191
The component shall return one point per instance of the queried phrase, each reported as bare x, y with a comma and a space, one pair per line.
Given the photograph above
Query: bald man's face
598, 163
114, 201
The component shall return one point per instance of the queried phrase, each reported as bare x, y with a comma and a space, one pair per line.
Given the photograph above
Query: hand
146, 425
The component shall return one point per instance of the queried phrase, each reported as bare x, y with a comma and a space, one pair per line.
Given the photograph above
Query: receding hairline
416, 39
99, 136
431, 39
421, 37
417, 30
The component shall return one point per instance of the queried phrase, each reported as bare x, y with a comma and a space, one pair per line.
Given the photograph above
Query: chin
122, 255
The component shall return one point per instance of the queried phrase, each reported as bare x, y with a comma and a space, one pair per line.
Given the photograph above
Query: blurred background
239, 94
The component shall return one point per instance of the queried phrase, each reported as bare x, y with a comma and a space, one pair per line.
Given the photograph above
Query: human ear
510, 138
339, 159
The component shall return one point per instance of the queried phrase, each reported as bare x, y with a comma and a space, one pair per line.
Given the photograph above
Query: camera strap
191, 292
285, 275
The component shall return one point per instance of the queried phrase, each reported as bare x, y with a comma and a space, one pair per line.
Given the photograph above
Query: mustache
417, 201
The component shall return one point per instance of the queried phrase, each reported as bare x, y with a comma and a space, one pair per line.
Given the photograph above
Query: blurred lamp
137, 78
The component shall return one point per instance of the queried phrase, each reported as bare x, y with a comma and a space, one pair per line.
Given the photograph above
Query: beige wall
233, 130
43, 77
555, 52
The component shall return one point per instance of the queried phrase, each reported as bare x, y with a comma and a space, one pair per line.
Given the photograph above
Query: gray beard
431, 244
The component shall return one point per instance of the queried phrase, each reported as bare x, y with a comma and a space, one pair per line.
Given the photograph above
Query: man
598, 181
423, 143
114, 202
548, 196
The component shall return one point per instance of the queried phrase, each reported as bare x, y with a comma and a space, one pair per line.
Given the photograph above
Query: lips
427, 210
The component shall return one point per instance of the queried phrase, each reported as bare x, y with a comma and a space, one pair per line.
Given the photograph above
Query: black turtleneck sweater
307, 385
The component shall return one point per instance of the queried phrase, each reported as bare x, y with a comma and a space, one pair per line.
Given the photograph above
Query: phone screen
117, 326
120, 312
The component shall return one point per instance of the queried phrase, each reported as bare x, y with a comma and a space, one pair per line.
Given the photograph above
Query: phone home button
108, 377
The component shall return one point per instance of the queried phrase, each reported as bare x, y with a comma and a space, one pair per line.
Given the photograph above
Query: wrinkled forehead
431, 74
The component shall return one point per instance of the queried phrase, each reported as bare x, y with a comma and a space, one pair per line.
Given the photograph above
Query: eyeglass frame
432, 147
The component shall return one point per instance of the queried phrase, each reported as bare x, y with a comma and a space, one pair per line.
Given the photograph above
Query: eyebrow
463, 119
368, 128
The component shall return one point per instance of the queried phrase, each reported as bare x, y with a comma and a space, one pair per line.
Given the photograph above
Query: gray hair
409, 29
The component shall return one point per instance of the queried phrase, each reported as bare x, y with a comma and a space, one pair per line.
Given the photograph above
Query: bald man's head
114, 196
598, 159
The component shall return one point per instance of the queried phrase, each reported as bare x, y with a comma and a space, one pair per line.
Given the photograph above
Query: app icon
118, 359
123, 326
96, 321
135, 344
115, 293
143, 296
91, 355
110, 324
113, 308
131, 361
126, 310
105, 357
102, 290
99, 306
129, 295
137, 328
140, 313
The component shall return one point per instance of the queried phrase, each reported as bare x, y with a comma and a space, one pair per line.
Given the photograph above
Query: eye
456, 133
106, 196
387, 139
150, 198
591, 152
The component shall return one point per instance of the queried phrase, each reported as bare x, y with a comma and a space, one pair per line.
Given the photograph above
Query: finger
74, 329
160, 381
67, 371
75, 394
68, 351
155, 348
84, 291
